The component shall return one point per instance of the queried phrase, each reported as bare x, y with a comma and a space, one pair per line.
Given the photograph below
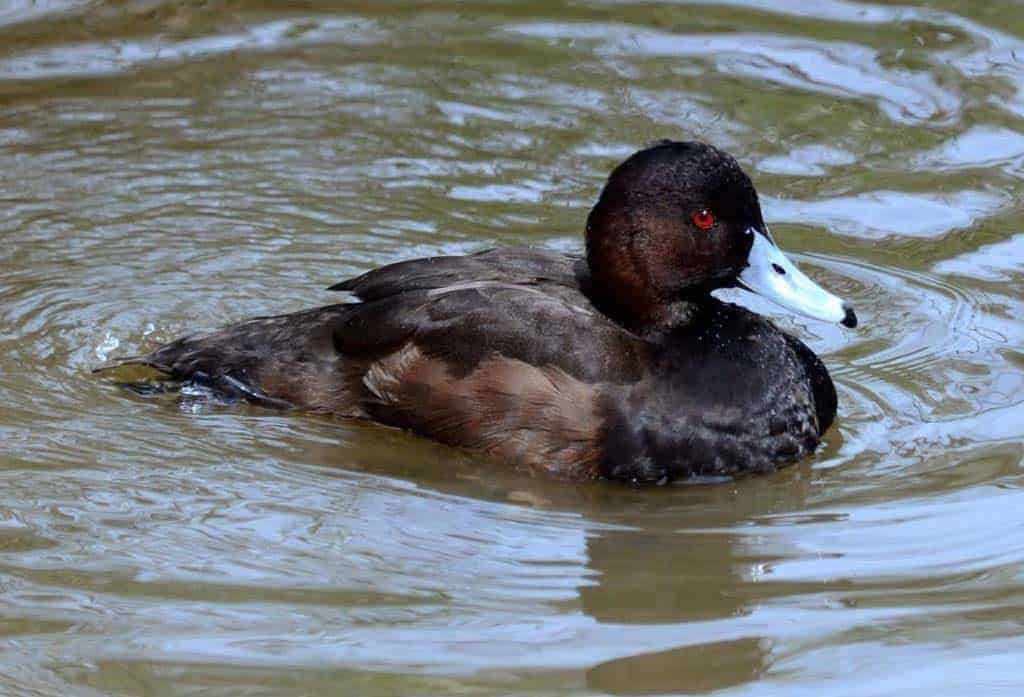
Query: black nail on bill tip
850, 318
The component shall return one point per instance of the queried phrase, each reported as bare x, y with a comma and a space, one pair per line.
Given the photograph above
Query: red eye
703, 218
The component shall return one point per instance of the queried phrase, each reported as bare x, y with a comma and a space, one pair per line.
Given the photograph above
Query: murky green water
166, 167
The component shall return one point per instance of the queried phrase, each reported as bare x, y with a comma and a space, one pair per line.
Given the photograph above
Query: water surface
168, 167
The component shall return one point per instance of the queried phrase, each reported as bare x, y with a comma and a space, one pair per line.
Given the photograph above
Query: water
167, 167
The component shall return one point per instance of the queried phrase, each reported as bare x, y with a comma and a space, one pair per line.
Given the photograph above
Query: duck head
679, 220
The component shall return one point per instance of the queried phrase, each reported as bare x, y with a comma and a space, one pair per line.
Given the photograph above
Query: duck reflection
672, 560
696, 669
663, 568
664, 575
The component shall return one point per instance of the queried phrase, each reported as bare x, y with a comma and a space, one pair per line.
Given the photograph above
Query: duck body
503, 352
542, 360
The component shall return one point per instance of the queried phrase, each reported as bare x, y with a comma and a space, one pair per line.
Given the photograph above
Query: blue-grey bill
770, 274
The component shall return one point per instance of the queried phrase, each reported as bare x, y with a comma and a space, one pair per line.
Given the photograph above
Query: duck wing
520, 303
519, 371
538, 323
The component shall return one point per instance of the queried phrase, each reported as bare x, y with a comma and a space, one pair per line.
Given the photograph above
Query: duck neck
624, 293
640, 309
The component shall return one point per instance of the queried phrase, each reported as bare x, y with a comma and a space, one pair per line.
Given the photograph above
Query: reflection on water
167, 167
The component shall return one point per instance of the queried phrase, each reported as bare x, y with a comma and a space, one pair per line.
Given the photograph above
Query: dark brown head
678, 220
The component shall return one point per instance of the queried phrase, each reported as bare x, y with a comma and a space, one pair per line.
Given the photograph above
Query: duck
615, 364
